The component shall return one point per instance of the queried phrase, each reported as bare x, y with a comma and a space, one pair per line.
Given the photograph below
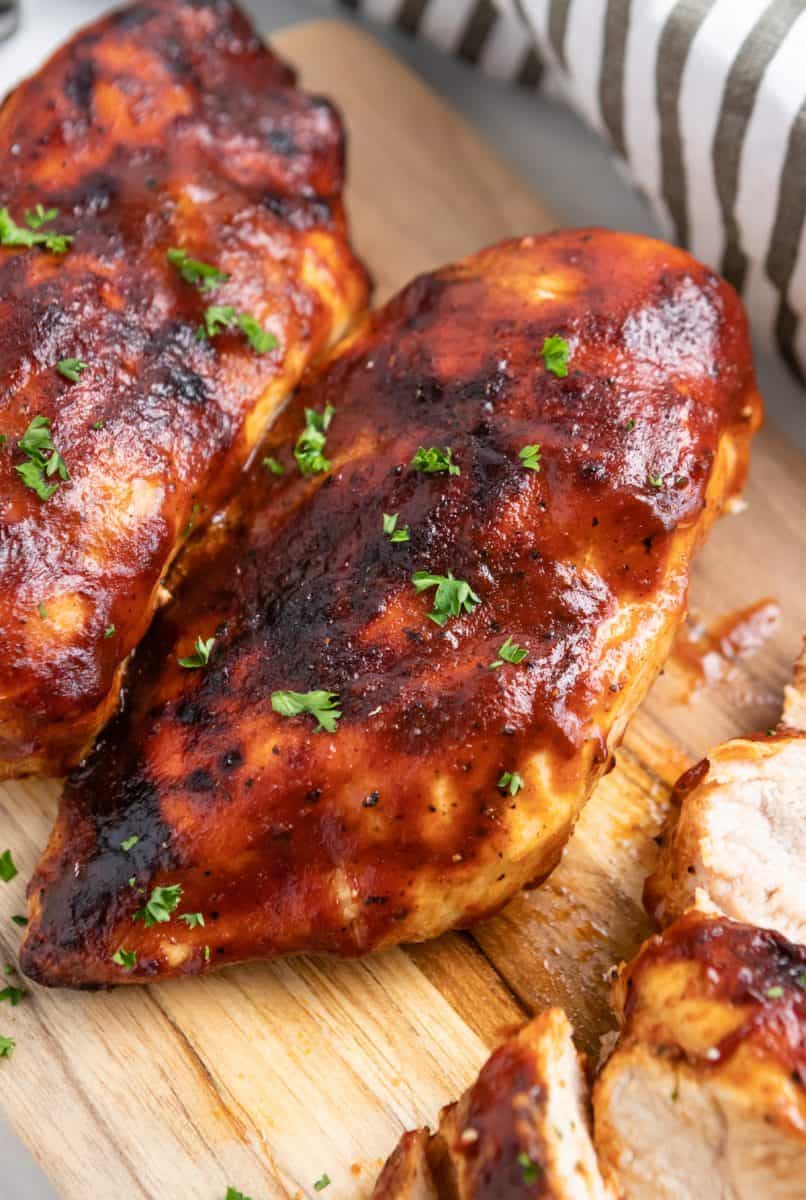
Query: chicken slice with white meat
704, 1096
736, 840
521, 1131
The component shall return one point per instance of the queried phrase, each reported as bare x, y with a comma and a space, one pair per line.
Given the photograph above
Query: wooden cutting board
266, 1077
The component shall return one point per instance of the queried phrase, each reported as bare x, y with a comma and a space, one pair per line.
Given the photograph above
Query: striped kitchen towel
704, 100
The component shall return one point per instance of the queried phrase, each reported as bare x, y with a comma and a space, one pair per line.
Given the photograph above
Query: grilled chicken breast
736, 838
521, 1130
705, 1093
438, 603
161, 177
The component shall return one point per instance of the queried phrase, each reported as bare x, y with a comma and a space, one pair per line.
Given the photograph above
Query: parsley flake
234, 1194
403, 534
192, 920
311, 442
555, 352
43, 612
71, 368
530, 457
109, 631
510, 782
219, 317
12, 234
774, 993
129, 843
322, 1182
159, 906
202, 656
530, 1169
8, 869
13, 995
655, 481
510, 652
193, 270
206, 953
260, 339
21, 921
452, 598
36, 444
321, 705
433, 461
273, 466
7, 1046
125, 958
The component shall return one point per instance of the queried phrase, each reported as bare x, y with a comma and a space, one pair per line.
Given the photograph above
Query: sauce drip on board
705, 656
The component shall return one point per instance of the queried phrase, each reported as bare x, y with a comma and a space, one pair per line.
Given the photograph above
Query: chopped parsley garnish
99, 424
219, 317
510, 782
452, 598
21, 921
192, 920
13, 995
125, 958
186, 532
7, 1047
43, 612
193, 270
433, 460
510, 652
802, 979
530, 1169
629, 425
71, 368
403, 534
530, 457
36, 444
273, 466
774, 993
129, 843
260, 339
206, 953
202, 656
655, 481
159, 906
322, 1182
109, 631
7, 868
321, 705
3, 440
311, 442
12, 234
555, 352
234, 1194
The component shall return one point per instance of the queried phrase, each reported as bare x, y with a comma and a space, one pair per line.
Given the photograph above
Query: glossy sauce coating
755, 972
394, 827
166, 124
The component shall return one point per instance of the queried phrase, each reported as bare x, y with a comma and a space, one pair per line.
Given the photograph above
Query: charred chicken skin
735, 841
173, 254
521, 1132
455, 570
704, 1095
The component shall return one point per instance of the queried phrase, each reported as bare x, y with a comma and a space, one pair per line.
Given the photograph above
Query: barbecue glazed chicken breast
522, 1130
384, 690
173, 254
736, 839
704, 1096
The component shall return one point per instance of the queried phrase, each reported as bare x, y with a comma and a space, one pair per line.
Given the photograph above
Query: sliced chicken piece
521, 1130
736, 839
704, 1097
794, 714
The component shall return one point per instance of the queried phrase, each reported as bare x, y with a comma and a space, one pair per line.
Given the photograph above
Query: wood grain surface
266, 1077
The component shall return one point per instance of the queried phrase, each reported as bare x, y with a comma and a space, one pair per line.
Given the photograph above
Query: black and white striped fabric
704, 100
